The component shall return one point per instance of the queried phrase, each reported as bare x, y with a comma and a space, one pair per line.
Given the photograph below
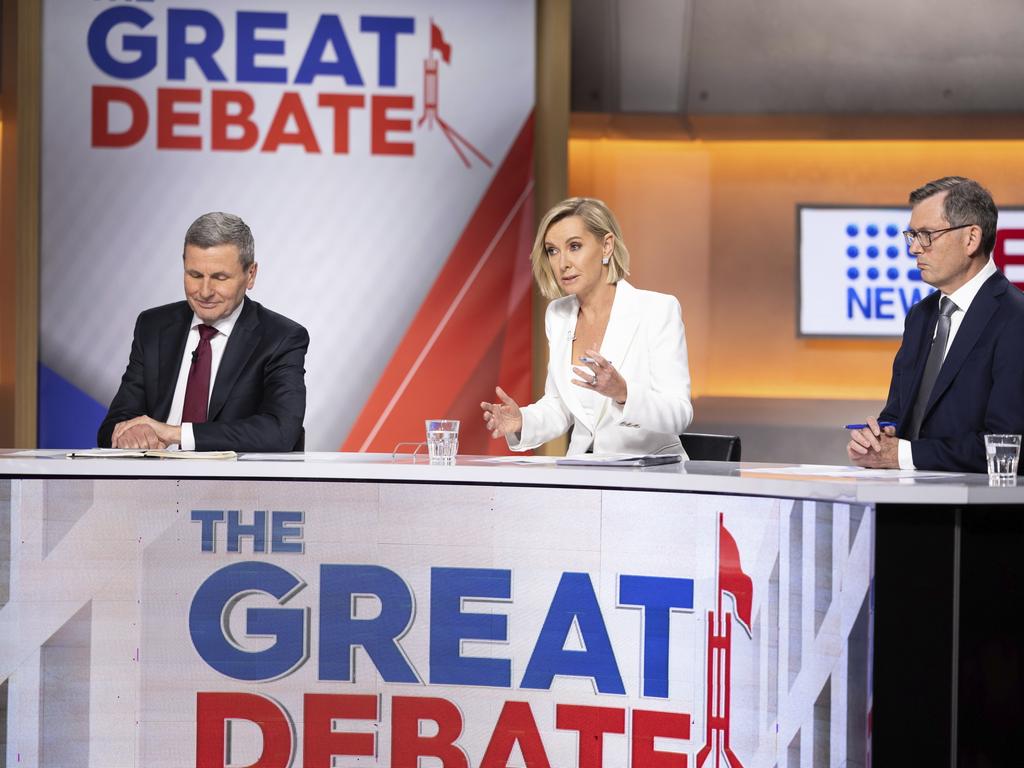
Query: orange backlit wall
714, 223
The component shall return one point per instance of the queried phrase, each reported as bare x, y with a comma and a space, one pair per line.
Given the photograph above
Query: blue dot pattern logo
892, 250
876, 289
857, 276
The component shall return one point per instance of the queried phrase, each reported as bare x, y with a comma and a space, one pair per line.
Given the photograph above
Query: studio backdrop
382, 154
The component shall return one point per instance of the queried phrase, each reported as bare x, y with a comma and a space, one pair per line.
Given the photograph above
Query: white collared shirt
224, 327
963, 297
590, 400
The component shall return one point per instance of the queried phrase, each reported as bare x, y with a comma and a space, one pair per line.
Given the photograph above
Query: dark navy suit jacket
258, 401
980, 388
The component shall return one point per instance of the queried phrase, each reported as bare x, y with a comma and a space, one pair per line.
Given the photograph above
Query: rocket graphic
430, 97
734, 582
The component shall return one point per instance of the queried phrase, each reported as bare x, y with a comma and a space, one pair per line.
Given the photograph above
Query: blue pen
881, 425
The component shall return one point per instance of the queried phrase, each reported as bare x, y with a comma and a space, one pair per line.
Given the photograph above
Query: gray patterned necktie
932, 367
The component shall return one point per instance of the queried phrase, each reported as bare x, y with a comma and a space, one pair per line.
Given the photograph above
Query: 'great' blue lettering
329, 31
341, 632
286, 625
144, 46
136, 56
449, 626
574, 600
387, 28
249, 46
179, 50
658, 596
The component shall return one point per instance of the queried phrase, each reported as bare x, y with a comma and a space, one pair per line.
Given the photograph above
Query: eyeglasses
925, 236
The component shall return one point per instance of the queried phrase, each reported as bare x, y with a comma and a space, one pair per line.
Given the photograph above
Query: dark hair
967, 202
213, 229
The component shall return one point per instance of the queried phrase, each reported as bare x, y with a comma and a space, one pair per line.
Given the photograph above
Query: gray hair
213, 229
967, 202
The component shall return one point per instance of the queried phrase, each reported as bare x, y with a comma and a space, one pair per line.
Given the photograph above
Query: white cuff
515, 441
905, 455
188, 440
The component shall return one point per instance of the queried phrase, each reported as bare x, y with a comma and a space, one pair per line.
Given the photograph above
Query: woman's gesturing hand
601, 377
504, 418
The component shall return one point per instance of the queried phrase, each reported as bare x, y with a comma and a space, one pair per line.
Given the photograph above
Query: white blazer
646, 343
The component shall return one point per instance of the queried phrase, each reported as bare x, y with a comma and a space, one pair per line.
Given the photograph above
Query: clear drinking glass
1003, 454
442, 440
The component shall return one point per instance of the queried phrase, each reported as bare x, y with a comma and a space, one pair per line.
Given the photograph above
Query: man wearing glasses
959, 373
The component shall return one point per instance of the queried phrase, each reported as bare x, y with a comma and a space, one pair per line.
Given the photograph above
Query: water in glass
442, 440
1003, 454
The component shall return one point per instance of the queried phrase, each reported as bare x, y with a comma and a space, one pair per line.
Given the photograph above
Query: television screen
857, 275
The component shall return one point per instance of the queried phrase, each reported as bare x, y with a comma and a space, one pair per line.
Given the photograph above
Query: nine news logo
858, 277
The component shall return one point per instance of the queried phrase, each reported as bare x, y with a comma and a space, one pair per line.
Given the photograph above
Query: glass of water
442, 441
1003, 453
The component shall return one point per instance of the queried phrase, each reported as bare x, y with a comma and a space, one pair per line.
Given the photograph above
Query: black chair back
704, 447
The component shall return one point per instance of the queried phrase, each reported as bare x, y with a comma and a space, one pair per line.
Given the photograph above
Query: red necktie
197, 391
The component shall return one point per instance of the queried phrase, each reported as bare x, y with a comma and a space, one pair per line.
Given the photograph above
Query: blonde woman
617, 370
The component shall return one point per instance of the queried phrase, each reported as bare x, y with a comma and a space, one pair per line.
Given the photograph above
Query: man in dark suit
959, 373
217, 371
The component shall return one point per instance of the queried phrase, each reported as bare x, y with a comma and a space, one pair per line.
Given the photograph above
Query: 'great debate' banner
239, 623
381, 154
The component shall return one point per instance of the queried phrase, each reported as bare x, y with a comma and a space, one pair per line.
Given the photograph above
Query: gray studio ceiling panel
797, 56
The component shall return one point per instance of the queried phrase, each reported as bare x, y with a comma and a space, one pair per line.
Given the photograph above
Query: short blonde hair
599, 220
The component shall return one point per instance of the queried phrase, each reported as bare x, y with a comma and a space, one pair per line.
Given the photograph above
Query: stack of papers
121, 453
519, 459
619, 460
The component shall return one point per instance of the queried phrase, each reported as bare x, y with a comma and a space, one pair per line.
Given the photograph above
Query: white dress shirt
962, 297
590, 400
224, 327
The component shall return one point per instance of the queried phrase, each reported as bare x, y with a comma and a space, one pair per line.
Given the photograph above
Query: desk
166, 612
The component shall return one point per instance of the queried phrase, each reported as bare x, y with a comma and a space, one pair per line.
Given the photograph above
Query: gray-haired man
217, 371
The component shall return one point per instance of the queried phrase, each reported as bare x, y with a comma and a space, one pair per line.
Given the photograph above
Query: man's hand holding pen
873, 445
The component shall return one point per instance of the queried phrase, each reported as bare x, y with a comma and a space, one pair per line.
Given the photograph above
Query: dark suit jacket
258, 400
980, 388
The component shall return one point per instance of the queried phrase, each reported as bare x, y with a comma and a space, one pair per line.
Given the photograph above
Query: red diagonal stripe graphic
447, 362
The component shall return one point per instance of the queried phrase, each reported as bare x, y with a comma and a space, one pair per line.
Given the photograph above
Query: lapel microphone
195, 355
